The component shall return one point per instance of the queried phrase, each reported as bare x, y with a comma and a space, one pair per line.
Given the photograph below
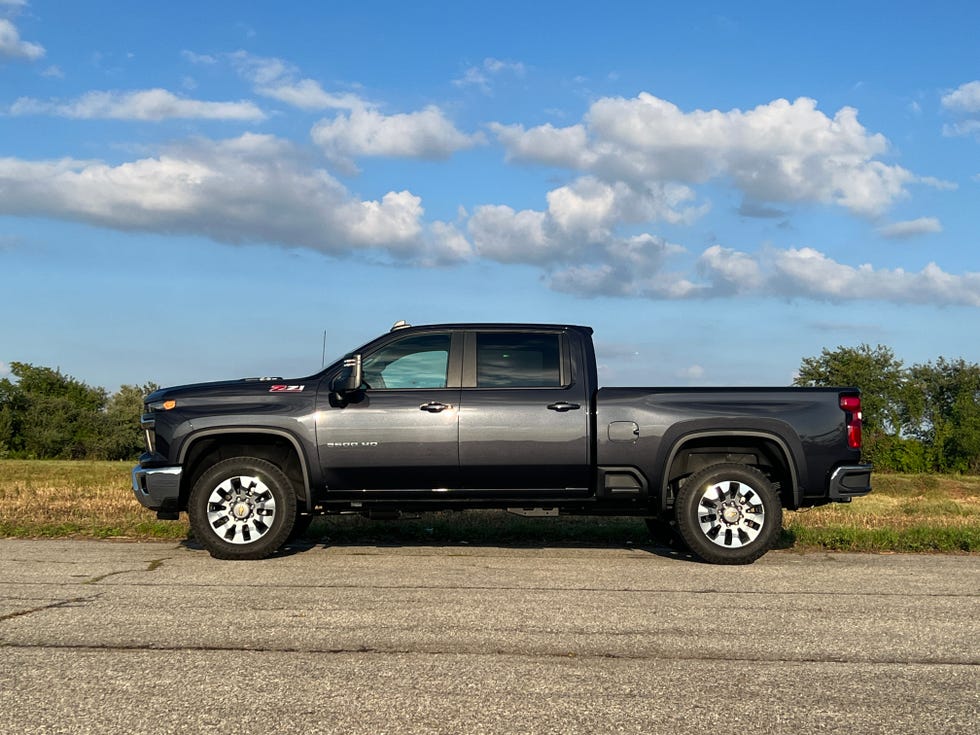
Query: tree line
45, 414
923, 418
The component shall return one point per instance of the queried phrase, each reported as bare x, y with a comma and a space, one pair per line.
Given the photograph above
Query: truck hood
225, 389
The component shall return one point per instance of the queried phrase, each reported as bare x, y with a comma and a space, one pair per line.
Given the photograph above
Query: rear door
524, 419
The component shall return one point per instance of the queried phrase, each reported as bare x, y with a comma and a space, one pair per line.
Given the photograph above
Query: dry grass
94, 499
58, 498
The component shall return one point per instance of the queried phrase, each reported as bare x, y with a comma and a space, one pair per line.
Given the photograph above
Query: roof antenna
400, 324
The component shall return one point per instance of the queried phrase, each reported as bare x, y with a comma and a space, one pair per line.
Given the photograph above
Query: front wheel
242, 508
729, 514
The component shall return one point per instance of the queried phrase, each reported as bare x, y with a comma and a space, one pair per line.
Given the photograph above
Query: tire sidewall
277, 483
687, 512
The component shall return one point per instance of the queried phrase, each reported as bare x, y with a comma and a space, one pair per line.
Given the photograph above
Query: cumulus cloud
964, 103
808, 273
250, 189
780, 152
427, 134
911, 228
580, 219
13, 47
148, 105
965, 98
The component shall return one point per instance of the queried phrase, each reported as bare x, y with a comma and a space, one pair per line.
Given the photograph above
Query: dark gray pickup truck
459, 416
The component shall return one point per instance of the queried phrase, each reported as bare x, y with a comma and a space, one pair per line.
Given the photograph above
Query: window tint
518, 360
414, 362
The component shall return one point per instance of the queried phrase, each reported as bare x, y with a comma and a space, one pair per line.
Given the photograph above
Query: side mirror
350, 378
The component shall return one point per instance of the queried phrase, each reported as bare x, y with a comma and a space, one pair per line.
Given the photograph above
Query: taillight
851, 405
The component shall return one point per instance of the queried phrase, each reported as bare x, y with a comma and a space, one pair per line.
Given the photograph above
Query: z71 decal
286, 388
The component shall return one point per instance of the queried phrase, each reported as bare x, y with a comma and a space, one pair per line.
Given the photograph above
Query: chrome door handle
435, 406
563, 406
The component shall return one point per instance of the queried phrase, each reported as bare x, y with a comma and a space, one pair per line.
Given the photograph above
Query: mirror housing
350, 378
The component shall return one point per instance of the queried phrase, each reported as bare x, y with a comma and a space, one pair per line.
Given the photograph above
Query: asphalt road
102, 637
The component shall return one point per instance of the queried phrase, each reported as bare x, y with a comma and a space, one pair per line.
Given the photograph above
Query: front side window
420, 361
505, 360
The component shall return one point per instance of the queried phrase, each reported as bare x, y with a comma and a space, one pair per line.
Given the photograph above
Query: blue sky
195, 191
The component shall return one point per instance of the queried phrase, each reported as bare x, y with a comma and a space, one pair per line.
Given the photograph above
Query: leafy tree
945, 413
884, 386
920, 419
122, 436
53, 414
45, 414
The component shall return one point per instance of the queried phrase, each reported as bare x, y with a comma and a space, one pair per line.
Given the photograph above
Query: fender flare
194, 436
778, 432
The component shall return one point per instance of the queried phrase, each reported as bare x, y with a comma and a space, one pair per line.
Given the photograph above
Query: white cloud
11, 45
278, 79
808, 273
732, 272
148, 105
426, 134
964, 103
4, 370
251, 189
580, 219
779, 152
307, 94
965, 98
911, 228
481, 76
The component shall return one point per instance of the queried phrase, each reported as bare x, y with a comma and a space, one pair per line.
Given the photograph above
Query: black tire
729, 514
664, 532
242, 508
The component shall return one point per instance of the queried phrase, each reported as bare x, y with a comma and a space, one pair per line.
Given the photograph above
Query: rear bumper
157, 488
850, 481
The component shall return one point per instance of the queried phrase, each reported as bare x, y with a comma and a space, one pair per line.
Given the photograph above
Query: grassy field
919, 513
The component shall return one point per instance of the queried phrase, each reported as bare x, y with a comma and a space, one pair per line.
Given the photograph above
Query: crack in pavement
374, 651
152, 566
49, 606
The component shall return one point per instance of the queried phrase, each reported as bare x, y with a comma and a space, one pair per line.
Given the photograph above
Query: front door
401, 431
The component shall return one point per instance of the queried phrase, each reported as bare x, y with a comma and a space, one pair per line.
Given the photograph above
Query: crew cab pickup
509, 416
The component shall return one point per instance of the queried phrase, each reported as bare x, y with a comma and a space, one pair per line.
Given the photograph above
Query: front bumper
850, 481
158, 488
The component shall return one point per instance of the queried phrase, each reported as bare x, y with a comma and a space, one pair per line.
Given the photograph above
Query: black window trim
454, 369
469, 372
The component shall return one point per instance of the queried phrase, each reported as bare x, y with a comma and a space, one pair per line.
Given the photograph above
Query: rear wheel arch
763, 450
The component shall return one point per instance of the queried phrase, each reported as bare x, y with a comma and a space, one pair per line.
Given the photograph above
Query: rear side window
514, 360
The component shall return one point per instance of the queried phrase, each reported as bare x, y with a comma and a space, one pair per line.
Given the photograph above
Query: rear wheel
729, 514
242, 508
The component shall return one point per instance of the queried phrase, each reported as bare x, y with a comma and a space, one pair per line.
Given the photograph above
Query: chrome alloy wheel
731, 514
241, 510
